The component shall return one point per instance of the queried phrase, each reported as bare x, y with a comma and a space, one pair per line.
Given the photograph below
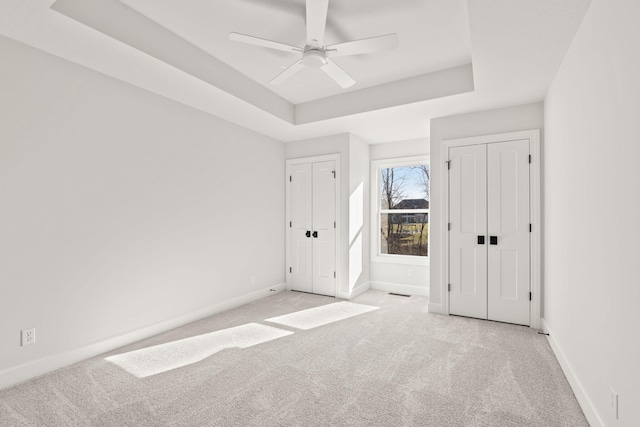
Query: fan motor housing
314, 58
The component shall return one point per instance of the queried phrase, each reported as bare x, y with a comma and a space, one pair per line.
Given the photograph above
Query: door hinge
529, 296
448, 162
449, 287
334, 224
448, 226
529, 158
289, 178
290, 224
290, 270
334, 274
334, 174
529, 227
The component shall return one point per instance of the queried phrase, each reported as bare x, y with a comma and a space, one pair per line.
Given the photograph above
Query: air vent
399, 295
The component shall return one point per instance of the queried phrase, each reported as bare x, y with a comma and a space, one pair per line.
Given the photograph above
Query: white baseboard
435, 308
24, 372
400, 288
360, 289
583, 399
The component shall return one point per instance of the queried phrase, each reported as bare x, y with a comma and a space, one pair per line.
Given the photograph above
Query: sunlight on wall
323, 315
356, 212
164, 357
356, 221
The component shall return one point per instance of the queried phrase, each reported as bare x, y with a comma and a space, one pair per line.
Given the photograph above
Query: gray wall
121, 210
592, 199
359, 215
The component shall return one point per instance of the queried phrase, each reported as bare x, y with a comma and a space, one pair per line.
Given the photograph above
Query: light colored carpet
323, 315
176, 354
393, 366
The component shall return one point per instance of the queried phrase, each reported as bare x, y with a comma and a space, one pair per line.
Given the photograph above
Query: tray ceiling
454, 56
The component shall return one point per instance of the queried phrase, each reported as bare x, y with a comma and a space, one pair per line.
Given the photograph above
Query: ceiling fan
315, 53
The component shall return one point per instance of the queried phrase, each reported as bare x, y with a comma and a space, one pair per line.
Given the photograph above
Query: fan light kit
315, 54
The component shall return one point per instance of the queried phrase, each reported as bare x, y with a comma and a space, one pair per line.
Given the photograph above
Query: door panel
468, 219
301, 222
506, 261
508, 220
324, 245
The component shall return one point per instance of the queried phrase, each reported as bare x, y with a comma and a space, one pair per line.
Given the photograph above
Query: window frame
377, 211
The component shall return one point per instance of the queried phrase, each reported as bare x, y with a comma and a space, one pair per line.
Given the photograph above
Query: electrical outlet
410, 272
253, 279
614, 403
28, 336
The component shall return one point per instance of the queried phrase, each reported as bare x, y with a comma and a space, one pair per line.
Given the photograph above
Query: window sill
400, 259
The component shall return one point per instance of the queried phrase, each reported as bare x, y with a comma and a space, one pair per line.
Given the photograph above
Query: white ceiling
421, 26
180, 50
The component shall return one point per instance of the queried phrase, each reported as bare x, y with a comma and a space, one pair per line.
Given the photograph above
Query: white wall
393, 277
592, 199
512, 119
359, 216
122, 210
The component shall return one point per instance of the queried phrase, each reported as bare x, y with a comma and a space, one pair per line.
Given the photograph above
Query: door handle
481, 240
308, 233
315, 234
493, 240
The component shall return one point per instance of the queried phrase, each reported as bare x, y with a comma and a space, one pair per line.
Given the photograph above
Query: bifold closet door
468, 224
509, 276
313, 232
301, 225
324, 232
489, 236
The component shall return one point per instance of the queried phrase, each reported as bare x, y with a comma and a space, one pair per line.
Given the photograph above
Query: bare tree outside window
404, 210
392, 191
424, 179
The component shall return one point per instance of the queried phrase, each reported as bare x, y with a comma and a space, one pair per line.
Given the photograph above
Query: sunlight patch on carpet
176, 354
323, 315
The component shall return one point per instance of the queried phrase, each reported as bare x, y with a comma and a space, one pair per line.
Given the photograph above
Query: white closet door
324, 232
468, 220
301, 227
508, 230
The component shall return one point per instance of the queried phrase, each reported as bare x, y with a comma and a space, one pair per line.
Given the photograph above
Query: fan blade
316, 20
288, 72
357, 47
338, 74
257, 41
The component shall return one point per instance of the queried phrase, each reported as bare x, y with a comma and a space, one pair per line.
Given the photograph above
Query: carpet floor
379, 360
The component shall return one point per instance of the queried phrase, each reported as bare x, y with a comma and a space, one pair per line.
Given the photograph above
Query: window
401, 210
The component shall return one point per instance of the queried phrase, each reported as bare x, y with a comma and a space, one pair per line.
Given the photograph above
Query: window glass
404, 210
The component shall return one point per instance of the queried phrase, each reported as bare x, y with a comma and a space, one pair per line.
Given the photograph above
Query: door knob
481, 240
308, 233
493, 240
315, 234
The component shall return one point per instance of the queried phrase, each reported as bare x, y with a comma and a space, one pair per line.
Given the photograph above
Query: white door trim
535, 212
288, 258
